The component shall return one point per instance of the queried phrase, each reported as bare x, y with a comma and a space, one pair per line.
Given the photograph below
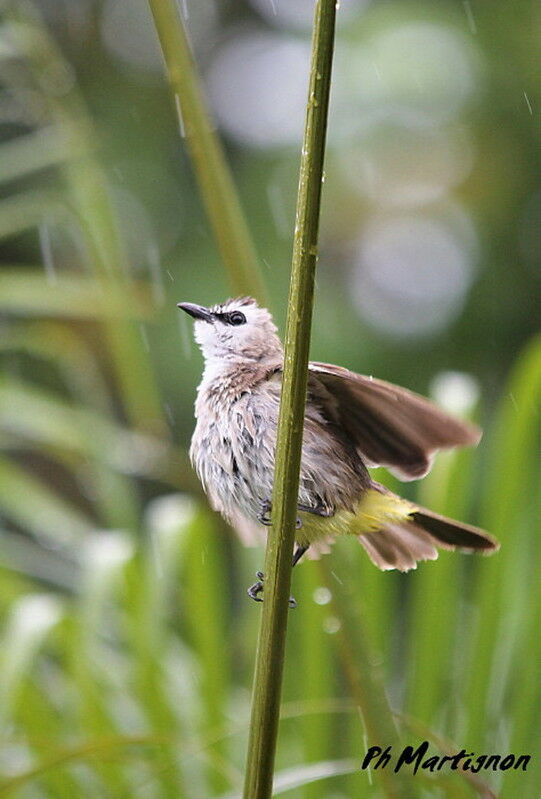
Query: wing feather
389, 425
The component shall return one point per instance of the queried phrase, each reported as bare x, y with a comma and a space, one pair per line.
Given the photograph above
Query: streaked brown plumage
351, 422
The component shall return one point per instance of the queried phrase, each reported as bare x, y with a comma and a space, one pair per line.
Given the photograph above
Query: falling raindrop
171, 278
169, 414
156, 276
528, 103
376, 71
47, 253
185, 335
183, 6
181, 125
469, 16
144, 336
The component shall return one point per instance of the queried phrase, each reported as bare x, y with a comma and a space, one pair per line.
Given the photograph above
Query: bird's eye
236, 318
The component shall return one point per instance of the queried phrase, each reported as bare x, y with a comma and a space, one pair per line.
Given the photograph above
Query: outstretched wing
389, 425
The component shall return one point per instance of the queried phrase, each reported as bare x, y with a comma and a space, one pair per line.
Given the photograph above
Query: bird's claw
256, 589
318, 510
264, 515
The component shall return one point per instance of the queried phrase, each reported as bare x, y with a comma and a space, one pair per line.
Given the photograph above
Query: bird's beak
197, 311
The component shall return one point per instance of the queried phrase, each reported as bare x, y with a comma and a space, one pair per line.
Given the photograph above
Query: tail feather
455, 535
401, 545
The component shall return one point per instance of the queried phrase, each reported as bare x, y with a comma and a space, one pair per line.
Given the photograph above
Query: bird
352, 422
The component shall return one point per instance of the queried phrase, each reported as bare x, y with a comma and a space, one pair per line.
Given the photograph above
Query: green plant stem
271, 645
214, 177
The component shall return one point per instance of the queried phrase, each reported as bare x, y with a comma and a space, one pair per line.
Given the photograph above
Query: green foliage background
127, 641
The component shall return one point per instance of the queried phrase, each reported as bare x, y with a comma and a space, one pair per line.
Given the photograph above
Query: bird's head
235, 330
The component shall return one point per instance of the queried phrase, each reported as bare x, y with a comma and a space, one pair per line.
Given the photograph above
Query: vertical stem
271, 645
211, 169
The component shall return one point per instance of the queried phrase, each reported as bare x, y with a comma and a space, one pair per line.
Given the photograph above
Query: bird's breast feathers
233, 450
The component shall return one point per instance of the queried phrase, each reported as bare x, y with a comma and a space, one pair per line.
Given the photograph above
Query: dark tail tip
455, 535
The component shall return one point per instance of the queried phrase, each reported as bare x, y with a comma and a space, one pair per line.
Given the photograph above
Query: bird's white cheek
205, 336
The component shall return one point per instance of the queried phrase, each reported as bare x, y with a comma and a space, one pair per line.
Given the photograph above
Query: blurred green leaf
48, 421
31, 619
29, 503
297, 777
30, 292
502, 597
32, 152
22, 212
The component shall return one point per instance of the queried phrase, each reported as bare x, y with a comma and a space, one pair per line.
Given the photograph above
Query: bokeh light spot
431, 68
412, 275
402, 158
246, 85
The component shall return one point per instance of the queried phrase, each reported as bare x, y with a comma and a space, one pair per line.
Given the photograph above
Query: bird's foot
264, 515
256, 589
317, 510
